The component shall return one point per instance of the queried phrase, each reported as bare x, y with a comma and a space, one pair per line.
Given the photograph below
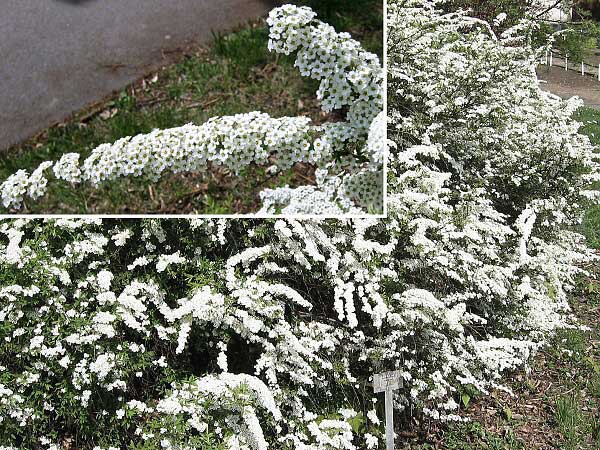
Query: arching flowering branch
348, 155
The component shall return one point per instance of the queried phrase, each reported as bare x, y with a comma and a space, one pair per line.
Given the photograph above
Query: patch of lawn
591, 226
590, 118
474, 436
469, 436
236, 74
569, 419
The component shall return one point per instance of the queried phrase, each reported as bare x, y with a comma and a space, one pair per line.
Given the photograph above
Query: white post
387, 382
566, 62
582, 69
598, 72
389, 419
550, 57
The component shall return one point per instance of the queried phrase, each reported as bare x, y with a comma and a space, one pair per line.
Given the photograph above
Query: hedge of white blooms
488, 182
348, 155
234, 334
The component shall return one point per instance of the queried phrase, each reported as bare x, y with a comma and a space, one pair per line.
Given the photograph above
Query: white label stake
387, 382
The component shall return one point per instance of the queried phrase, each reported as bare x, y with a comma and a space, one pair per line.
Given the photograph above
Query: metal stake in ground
387, 382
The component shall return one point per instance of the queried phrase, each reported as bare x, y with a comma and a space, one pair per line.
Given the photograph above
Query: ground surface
569, 83
59, 55
553, 406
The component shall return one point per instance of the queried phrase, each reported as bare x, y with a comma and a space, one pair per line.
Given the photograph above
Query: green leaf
466, 398
357, 422
593, 364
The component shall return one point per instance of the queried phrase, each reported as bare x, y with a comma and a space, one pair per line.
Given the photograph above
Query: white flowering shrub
348, 154
188, 334
487, 178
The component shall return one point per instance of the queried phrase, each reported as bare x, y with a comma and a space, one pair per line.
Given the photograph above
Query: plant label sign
387, 382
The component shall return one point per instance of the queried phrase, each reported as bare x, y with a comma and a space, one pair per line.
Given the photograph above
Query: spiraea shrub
488, 178
190, 334
232, 334
348, 154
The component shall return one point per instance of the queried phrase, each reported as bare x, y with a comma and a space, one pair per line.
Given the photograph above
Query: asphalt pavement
57, 56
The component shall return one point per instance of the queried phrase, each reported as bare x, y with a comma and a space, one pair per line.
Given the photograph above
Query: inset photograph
192, 108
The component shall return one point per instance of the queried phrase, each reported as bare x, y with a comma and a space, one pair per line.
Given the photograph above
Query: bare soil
569, 83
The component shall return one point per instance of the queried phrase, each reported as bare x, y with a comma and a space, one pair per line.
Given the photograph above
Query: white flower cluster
164, 261
353, 191
349, 76
348, 154
202, 400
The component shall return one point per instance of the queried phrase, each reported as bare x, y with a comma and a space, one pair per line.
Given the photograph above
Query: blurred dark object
488, 10
591, 6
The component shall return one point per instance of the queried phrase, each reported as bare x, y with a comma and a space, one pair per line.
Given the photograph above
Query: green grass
470, 436
475, 436
569, 419
235, 74
590, 118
